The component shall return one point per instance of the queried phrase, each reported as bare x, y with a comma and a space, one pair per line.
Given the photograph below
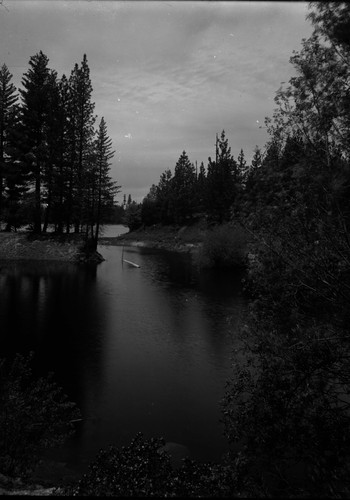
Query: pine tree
82, 135
53, 133
18, 201
253, 168
201, 189
222, 181
35, 99
150, 210
183, 189
242, 166
165, 197
103, 188
61, 172
8, 99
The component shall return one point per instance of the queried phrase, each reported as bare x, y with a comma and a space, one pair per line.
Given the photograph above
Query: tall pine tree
8, 99
82, 137
35, 101
222, 182
102, 187
183, 188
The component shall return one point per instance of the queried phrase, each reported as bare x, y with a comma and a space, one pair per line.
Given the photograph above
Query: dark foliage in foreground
34, 414
143, 469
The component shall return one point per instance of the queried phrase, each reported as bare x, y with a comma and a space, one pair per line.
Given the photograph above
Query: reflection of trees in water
53, 308
170, 268
205, 305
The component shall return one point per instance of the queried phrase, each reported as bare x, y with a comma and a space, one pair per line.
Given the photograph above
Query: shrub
224, 246
136, 470
34, 414
143, 469
287, 403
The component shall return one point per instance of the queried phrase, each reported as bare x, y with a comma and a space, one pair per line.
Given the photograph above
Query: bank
186, 238
48, 247
224, 245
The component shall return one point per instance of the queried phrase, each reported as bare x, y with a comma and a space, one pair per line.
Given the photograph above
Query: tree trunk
37, 212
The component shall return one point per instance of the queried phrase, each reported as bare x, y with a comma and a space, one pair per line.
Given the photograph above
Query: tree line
190, 193
54, 163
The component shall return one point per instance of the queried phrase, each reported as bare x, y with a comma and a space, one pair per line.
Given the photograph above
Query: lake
138, 349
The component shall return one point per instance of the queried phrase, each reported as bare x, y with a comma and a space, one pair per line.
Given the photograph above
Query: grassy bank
173, 238
28, 246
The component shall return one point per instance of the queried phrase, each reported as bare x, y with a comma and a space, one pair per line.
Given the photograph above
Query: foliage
83, 133
184, 183
165, 197
136, 470
286, 404
150, 209
34, 414
100, 189
34, 119
8, 99
143, 469
222, 182
132, 216
224, 246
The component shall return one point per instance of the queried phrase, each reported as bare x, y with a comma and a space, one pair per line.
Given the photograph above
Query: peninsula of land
29, 246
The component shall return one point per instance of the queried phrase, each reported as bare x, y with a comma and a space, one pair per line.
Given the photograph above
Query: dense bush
143, 469
136, 470
224, 246
34, 414
287, 403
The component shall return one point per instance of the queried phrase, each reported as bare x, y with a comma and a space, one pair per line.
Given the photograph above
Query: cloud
166, 76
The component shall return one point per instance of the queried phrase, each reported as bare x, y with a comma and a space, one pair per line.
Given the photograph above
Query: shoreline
45, 247
182, 239
177, 247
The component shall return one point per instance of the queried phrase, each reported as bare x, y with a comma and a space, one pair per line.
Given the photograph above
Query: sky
167, 76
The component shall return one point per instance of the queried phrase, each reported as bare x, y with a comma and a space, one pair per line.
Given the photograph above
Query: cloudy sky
166, 75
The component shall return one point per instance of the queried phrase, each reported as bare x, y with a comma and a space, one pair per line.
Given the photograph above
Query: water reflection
51, 308
144, 349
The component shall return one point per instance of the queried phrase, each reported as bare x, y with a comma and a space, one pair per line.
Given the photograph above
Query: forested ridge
286, 408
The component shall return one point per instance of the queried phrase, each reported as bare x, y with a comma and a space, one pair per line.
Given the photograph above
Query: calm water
144, 349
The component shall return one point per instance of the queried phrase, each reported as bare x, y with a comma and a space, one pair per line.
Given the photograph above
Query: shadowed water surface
139, 349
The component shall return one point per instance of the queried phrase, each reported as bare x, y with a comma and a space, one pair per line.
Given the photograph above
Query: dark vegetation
143, 469
191, 194
54, 165
286, 408
35, 414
